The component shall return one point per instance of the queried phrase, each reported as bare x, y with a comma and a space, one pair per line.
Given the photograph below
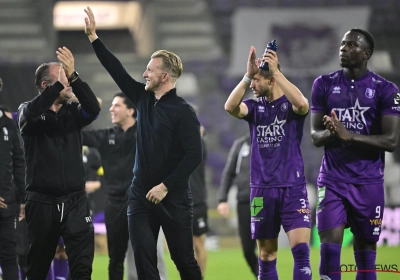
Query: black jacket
12, 165
168, 132
237, 171
117, 149
53, 141
198, 180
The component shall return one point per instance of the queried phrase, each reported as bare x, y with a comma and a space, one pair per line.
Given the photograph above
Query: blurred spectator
200, 208
237, 173
12, 196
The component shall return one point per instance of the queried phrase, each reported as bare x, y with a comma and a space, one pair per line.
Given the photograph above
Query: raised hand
252, 63
65, 56
90, 25
62, 78
271, 58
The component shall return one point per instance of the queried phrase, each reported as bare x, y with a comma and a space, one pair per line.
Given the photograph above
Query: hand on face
65, 56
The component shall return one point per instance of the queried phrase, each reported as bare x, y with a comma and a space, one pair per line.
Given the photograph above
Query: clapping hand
62, 78
65, 56
336, 127
252, 63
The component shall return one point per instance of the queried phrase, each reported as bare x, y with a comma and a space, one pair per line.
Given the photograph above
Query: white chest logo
336, 90
5, 131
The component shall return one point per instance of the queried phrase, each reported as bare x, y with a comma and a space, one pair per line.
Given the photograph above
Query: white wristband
246, 79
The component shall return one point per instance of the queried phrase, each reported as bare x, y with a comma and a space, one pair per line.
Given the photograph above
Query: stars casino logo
353, 117
271, 135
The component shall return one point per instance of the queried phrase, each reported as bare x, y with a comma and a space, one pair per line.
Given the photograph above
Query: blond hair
171, 63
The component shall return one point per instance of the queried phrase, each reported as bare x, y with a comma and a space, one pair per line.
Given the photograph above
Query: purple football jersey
359, 105
276, 132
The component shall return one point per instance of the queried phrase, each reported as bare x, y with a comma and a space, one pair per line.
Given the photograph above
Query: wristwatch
73, 76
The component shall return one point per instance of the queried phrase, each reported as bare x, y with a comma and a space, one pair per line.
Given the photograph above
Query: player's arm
320, 135
386, 141
293, 94
234, 105
29, 112
129, 86
229, 172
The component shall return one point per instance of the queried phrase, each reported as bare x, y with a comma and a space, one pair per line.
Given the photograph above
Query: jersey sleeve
317, 97
250, 103
390, 100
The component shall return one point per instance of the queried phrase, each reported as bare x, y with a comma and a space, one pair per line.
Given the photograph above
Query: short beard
154, 88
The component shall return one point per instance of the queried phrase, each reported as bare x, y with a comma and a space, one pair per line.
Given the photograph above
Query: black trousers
21, 237
248, 244
115, 210
8, 253
46, 223
175, 215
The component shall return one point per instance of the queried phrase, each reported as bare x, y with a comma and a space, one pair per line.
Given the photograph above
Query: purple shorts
359, 207
272, 207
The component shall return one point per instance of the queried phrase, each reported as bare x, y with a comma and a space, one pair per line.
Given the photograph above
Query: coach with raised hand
168, 150
55, 181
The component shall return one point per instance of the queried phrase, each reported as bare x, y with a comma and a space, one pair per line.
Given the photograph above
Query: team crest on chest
284, 107
370, 93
